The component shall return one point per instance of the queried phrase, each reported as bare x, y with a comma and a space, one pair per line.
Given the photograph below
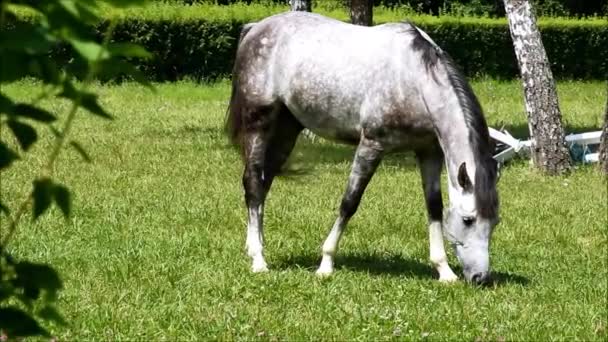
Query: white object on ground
517, 146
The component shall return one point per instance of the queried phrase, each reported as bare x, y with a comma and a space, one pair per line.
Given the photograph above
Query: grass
155, 247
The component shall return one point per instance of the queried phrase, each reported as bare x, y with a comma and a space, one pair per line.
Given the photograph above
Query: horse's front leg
367, 158
430, 169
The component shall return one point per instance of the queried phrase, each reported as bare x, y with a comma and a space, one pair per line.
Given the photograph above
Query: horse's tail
234, 122
244, 31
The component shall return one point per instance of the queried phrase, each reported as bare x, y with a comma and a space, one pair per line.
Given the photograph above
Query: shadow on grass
392, 265
505, 278
395, 265
497, 278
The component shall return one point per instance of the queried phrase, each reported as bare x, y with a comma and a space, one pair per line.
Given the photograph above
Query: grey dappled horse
382, 88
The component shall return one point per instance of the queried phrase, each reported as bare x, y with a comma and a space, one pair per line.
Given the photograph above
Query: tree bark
549, 150
361, 12
603, 152
301, 5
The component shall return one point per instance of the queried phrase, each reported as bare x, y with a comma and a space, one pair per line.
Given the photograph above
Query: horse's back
331, 75
282, 47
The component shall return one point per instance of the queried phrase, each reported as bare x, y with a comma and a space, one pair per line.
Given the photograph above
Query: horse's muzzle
480, 278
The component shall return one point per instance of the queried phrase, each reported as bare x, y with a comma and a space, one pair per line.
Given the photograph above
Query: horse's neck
453, 132
455, 141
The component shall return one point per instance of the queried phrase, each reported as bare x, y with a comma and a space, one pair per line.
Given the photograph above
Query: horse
384, 88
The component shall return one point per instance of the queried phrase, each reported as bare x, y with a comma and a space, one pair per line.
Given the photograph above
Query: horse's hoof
324, 273
448, 279
259, 268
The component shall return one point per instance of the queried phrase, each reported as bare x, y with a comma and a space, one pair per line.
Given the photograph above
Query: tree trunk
549, 151
603, 152
361, 12
301, 5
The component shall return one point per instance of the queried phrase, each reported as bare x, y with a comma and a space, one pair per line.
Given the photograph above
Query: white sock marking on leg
330, 247
437, 253
255, 238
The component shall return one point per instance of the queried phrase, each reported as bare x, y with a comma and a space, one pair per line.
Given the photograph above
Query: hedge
199, 41
493, 8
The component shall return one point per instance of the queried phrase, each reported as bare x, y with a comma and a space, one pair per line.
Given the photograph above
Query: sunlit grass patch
155, 247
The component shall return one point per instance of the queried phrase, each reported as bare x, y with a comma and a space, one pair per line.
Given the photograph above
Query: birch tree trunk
603, 152
361, 12
301, 5
549, 151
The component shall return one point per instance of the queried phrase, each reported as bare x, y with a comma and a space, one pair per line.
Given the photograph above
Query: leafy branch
24, 52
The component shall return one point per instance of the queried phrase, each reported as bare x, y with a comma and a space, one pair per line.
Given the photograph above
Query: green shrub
493, 8
199, 41
576, 49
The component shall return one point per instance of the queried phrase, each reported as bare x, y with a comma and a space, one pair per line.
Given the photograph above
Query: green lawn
155, 248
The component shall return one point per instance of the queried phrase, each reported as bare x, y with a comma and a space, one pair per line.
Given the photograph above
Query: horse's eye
468, 220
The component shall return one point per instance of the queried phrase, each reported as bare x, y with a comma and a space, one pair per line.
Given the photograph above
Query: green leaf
81, 151
39, 276
29, 295
90, 50
4, 209
70, 6
116, 68
16, 65
49, 313
28, 39
6, 292
26, 135
87, 100
88, 10
42, 196
128, 50
62, 197
6, 105
7, 156
34, 113
65, 23
46, 70
16, 323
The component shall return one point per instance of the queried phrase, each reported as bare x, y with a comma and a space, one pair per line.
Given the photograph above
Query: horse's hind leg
284, 136
367, 158
256, 134
430, 163
267, 145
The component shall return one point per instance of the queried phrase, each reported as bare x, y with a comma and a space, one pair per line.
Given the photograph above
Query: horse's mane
479, 137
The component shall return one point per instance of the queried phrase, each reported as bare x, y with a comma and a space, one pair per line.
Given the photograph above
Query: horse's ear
463, 178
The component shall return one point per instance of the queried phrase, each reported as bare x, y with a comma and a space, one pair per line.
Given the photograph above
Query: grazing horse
384, 88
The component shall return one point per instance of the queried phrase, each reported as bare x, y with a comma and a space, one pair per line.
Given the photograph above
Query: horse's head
471, 218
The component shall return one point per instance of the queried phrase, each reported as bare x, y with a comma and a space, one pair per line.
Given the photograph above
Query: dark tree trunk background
301, 5
361, 12
603, 152
549, 151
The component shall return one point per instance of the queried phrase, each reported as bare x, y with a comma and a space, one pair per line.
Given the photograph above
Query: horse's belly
332, 120
342, 128
344, 124
407, 140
